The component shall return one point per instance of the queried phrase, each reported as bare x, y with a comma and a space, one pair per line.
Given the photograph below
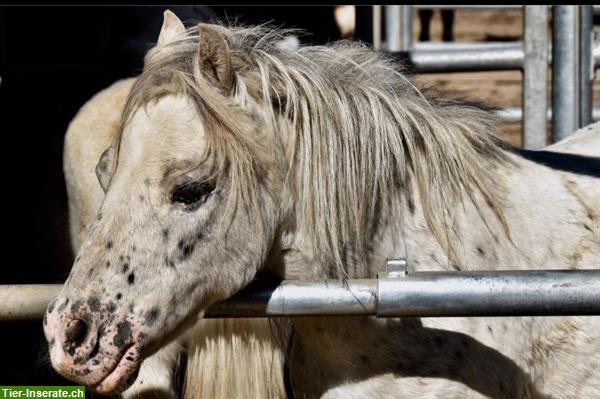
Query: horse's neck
545, 210
552, 219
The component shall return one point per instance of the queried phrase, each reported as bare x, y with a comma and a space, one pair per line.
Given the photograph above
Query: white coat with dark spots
234, 156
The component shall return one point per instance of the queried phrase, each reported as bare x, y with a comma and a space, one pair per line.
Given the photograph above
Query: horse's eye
191, 193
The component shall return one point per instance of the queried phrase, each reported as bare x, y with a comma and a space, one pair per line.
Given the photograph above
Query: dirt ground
497, 88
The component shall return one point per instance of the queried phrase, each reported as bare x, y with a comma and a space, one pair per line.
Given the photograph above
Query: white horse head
185, 222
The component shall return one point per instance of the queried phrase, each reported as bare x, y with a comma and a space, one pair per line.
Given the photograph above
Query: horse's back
585, 141
585, 186
88, 135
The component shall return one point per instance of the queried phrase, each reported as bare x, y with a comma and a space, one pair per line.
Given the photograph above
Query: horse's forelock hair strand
356, 131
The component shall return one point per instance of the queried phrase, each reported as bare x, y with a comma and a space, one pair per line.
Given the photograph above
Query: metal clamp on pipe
300, 298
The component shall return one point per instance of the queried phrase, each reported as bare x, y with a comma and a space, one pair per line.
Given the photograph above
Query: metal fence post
392, 28
535, 76
406, 27
377, 27
586, 65
398, 28
565, 71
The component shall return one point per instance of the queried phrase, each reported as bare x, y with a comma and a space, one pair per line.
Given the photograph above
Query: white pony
231, 156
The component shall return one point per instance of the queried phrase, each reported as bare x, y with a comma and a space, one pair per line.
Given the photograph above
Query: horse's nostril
76, 332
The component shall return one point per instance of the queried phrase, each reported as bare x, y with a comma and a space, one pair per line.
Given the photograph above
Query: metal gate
572, 54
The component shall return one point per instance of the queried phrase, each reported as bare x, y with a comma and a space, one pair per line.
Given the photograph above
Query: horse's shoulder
585, 141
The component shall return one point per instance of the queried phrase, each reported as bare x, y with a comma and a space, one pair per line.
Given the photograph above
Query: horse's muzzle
99, 352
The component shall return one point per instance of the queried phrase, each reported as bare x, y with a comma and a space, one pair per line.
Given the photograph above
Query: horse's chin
123, 375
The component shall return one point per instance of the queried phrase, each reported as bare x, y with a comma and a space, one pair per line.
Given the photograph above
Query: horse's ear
106, 165
214, 59
171, 28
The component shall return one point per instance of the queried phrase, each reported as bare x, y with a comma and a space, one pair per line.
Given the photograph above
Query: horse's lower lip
116, 378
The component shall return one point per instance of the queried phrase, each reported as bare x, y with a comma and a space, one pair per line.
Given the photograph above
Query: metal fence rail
515, 114
418, 294
460, 57
506, 55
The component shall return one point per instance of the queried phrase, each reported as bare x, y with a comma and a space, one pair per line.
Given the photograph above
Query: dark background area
52, 60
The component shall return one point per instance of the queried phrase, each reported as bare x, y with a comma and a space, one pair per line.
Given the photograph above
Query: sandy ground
497, 88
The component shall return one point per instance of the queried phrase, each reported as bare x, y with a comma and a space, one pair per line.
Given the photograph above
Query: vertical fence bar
377, 27
405, 28
535, 76
392, 28
565, 83
398, 28
586, 64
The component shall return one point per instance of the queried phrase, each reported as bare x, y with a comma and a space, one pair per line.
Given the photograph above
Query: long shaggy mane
349, 131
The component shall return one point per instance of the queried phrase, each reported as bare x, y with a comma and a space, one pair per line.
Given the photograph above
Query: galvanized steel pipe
459, 57
398, 28
509, 55
491, 293
301, 298
377, 27
423, 294
535, 76
26, 302
565, 72
515, 114
586, 64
